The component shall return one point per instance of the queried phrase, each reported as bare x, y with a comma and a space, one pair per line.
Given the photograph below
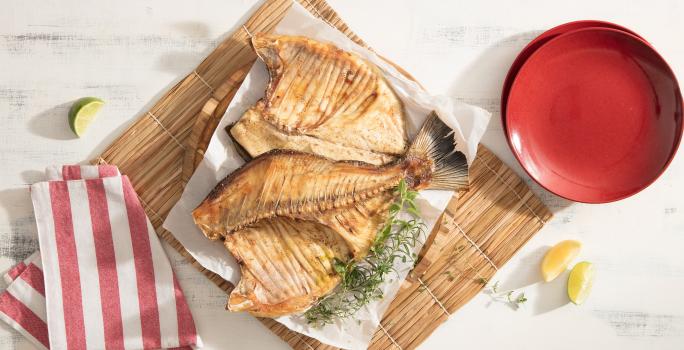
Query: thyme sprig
503, 296
361, 280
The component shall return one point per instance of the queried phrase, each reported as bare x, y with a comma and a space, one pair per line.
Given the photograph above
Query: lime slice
580, 282
82, 113
558, 258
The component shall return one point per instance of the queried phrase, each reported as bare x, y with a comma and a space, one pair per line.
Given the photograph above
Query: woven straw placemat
480, 230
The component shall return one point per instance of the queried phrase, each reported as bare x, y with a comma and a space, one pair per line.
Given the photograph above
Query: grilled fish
323, 100
286, 265
282, 183
286, 212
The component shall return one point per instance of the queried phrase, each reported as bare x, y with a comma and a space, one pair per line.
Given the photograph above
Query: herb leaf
361, 280
503, 296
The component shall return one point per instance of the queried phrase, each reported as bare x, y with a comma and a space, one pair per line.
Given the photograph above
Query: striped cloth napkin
22, 304
101, 278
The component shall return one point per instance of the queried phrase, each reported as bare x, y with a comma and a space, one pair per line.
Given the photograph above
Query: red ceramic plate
543, 38
594, 115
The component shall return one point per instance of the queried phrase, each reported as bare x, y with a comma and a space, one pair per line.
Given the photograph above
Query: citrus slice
580, 281
558, 258
82, 113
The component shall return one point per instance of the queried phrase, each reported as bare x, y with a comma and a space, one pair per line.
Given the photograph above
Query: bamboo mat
480, 230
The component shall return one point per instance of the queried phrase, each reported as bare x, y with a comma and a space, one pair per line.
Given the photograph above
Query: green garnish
361, 280
503, 296
82, 113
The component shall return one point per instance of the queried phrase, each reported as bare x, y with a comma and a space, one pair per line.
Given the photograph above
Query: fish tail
435, 147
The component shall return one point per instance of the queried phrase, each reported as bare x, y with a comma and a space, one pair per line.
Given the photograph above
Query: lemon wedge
82, 113
558, 258
580, 281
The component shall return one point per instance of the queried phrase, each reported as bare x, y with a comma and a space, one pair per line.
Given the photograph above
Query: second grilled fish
306, 186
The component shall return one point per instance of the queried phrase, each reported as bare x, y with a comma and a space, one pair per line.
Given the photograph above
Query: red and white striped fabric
17, 269
79, 172
22, 304
117, 294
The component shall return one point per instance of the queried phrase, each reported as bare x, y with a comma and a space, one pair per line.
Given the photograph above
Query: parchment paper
221, 158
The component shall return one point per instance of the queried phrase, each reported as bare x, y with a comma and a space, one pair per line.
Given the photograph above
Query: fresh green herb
361, 280
495, 287
504, 296
493, 290
521, 299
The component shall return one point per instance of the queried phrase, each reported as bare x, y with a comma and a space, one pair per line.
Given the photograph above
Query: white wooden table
129, 52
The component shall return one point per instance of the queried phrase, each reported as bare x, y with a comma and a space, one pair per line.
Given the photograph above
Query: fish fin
435, 143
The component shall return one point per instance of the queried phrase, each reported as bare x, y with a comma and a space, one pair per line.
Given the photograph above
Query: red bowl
543, 38
594, 115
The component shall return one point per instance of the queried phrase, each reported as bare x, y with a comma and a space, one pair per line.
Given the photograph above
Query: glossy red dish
594, 115
543, 38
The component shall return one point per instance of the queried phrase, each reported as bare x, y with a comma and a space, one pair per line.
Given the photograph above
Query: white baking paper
221, 158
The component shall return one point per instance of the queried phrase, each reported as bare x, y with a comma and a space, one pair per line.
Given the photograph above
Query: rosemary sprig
361, 280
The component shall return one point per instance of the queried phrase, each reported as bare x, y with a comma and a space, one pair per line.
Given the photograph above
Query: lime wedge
558, 258
82, 113
580, 282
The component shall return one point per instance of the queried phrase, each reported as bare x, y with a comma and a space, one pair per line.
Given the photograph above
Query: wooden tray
480, 230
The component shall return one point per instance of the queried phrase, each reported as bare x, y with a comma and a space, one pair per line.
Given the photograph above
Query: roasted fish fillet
323, 100
286, 265
282, 207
